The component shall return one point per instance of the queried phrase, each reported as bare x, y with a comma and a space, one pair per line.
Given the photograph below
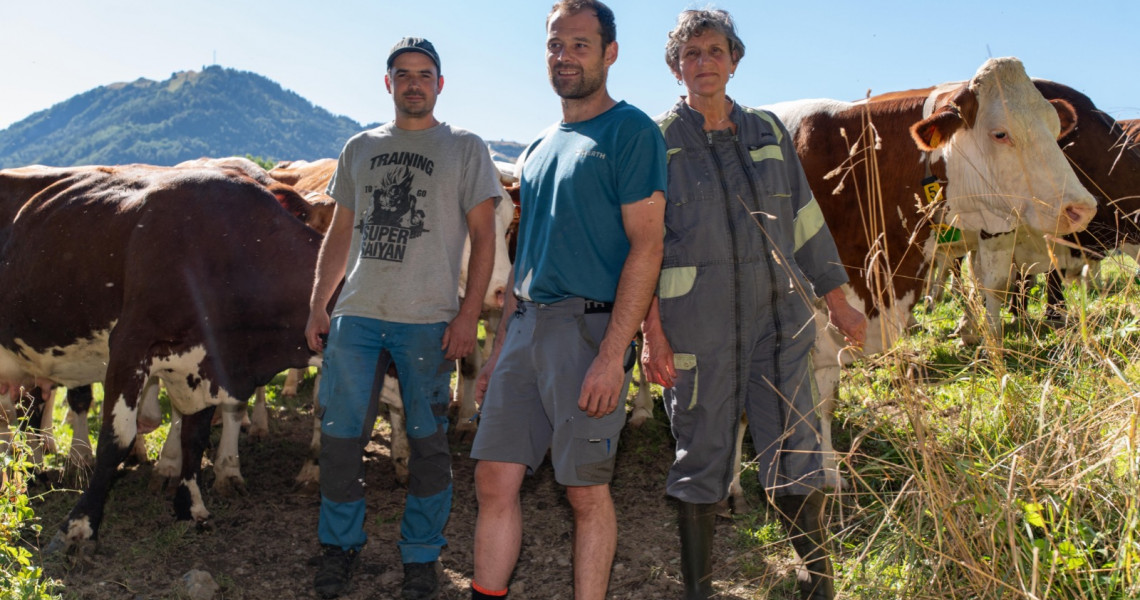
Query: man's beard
587, 83
425, 108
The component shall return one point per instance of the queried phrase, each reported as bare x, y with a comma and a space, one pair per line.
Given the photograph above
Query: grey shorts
532, 400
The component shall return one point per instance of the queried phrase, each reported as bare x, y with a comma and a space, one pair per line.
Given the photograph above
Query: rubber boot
697, 523
803, 518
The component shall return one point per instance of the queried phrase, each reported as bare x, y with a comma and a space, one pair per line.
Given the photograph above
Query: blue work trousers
356, 358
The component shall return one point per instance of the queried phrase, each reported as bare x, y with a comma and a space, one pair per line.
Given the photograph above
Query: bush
21, 577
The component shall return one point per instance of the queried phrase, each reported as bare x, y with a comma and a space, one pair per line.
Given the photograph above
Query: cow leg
643, 401
467, 369
7, 417
992, 264
47, 422
292, 381
33, 402
227, 466
122, 391
738, 504
194, 438
947, 263
81, 455
401, 451
827, 383
259, 420
309, 479
169, 463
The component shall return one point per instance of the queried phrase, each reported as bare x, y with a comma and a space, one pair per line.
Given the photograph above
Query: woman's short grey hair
691, 23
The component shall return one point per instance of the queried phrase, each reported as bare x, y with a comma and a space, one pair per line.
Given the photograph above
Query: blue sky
333, 52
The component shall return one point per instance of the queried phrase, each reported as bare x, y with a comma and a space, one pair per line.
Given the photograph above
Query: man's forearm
634, 294
479, 268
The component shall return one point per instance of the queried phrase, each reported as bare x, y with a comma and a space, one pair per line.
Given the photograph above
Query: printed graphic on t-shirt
392, 218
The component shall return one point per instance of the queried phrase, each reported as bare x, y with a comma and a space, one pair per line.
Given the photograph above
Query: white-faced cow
1106, 157
187, 275
991, 141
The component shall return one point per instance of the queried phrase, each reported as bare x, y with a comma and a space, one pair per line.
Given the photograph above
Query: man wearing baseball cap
407, 195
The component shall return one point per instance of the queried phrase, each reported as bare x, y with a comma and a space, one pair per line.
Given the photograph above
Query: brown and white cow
866, 162
1105, 155
310, 179
187, 275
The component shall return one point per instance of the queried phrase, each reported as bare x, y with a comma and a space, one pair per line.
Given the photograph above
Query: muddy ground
261, 545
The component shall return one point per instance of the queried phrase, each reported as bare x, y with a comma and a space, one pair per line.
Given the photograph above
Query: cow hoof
258, 433
834, 482
160, 484
229, 486
735, 505
308, 488
77, 548
309, 479
459, 436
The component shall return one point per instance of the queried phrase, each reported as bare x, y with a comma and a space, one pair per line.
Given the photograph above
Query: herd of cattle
197, 277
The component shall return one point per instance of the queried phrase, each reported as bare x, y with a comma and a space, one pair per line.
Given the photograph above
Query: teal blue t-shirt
575, 178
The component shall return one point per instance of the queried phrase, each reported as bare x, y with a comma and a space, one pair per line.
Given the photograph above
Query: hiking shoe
420, 581
335, 571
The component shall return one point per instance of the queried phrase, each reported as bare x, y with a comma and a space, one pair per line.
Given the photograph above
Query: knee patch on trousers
342, 470
429, 466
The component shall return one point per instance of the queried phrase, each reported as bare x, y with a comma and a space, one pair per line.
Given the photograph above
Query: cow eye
1001, 137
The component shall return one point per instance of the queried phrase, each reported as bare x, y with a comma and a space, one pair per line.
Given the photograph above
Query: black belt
594, 307
590, 307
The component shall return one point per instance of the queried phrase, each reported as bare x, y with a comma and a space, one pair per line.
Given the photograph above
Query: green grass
1000, 473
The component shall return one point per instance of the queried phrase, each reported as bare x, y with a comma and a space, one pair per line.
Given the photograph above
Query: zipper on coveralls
777, 376
774, 295
735, 291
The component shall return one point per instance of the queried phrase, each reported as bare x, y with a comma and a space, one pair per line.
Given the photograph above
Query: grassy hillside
215, 112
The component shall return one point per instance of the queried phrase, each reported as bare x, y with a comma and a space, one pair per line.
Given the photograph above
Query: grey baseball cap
414, 44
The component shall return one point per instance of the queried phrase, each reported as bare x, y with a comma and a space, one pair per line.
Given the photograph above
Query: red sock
479, 592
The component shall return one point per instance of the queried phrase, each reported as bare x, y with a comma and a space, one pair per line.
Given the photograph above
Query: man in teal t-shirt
590, 245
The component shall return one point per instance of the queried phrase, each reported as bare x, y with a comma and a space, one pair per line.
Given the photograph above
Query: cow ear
1067, 114
935, 130
286, 176
959, 111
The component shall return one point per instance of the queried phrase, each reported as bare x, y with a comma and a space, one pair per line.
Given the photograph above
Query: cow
196, 277
310, 179
314, 212
1105, 155
866, 163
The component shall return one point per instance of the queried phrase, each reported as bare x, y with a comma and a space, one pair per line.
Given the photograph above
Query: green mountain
216, 112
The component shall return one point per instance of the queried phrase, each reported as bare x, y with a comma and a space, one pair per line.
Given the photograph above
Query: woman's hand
850, 322
657, 358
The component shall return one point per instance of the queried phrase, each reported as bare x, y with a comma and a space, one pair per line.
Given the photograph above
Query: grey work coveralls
743, 235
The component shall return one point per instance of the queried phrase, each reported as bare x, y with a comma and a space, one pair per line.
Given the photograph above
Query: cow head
998, 136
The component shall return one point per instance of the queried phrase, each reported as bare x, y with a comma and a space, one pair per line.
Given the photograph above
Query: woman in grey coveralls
731, 331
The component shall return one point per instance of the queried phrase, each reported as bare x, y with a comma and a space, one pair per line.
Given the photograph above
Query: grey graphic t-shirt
410, 192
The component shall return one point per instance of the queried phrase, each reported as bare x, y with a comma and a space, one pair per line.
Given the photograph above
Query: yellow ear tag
935, 139
931, 189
